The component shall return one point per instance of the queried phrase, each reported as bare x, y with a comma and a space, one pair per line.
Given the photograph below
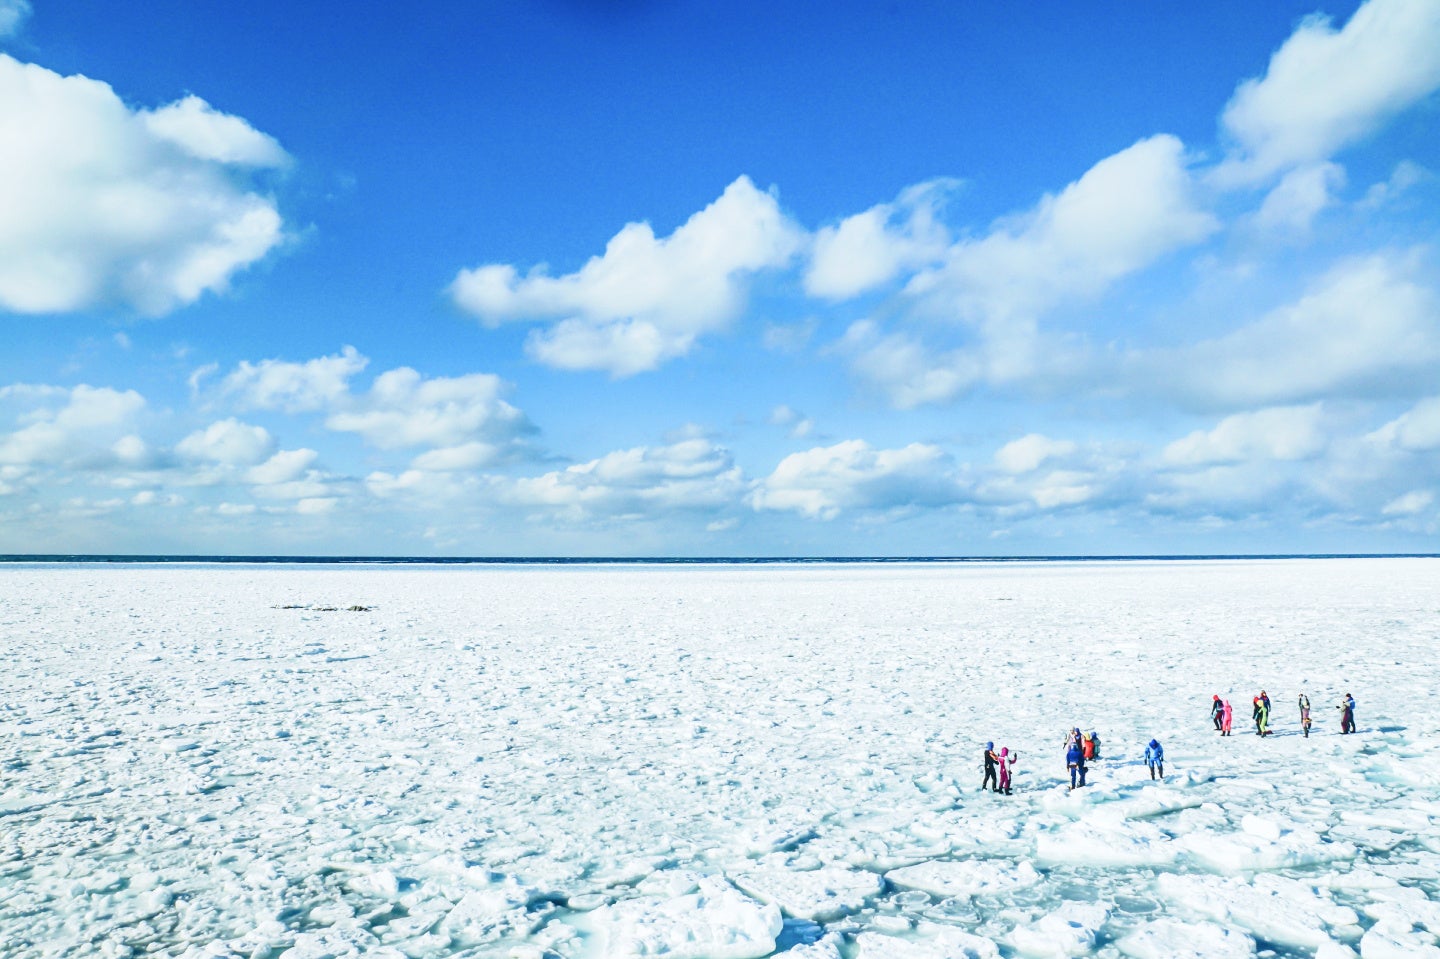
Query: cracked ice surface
714, 761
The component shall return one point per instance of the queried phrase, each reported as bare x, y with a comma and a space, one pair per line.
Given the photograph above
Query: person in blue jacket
1155, 758
1075, 760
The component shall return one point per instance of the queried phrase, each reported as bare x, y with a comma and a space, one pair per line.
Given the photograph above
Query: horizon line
321, 558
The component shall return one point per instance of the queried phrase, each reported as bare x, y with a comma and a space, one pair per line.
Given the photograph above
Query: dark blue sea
95, 558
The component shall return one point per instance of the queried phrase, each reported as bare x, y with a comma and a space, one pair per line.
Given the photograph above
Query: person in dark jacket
1075, 762
1155, 758
1347, 714
1217, 711
990, 778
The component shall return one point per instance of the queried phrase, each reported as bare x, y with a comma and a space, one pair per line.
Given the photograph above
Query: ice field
716, 762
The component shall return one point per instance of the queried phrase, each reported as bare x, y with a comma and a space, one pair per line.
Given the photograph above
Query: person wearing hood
1347, 714
990, 764
1075, 762
1229, 718
1006, 760
1217, 711
1305, 715
1155, 758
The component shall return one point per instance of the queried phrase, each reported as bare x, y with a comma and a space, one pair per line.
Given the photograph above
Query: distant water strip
124, 558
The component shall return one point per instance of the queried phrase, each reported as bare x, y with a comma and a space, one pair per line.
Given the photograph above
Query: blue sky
646, 278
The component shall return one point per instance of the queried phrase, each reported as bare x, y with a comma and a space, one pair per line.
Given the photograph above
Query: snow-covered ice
587, 762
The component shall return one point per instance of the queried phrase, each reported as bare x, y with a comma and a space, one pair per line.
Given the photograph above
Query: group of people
1080, 747
1221, 714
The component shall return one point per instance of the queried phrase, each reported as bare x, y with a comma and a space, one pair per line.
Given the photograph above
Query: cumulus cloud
85, 426
464, 419
294, 387
1299, 197
203, 132
13, 14
229, 442
1326, 89
908, 371
1408, 504
1280, 433
823, 481
403, 409
100, 203
1122, 215
1026, 454
689, 474
285, 466
870, 249
1416, 429
646, 299
1366, 326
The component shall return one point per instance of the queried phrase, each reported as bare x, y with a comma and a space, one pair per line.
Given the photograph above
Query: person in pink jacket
1007, 758
1226, 716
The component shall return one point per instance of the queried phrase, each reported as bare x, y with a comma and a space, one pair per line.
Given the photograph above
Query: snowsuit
1217, 712
1264, 718
1075, 760
1006, 758
1155, 758
1087, 745
1305, 715
1229, 716
1347, 714
1095, 740
990, 779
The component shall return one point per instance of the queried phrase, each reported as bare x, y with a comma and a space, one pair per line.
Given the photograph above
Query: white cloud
1415, 501
203, 132
796, 424
101, 204
1326, 89
1299, 197
235, 509
1365, 326
1063, 488
1027, 453
131, 450
1279, 433
403, 409
689, 474
88, 429
1123, 214
13, 13
316, 505
294, 387
384, 484
228, 441
822, 482
313, 485
1416, 429
284, 467
1405, 175
645, 300
466, 456
905, 369
871, 248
